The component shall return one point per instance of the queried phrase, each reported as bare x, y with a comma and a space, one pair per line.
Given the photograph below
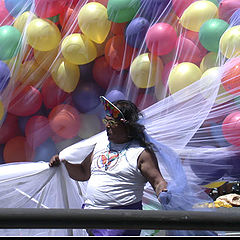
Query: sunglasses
111, 122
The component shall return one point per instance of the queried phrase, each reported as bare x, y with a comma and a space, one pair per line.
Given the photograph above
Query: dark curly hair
136, 130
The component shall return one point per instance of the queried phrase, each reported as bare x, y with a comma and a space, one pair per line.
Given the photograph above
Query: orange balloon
65, 121
17, 150
117, 53
118, 28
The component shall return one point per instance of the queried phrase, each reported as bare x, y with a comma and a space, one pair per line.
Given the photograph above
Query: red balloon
231, 128
103, 73
37, 130
9, 128
145, 100
227, 8
161, 38
103, 2
17, 149
179, 6
5, 17
50, 8
231, 76
65, 121
117, 53
52, 95
25, 101
118, 28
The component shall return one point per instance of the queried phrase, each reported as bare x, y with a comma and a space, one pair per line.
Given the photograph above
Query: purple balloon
4, 76
136, 32
153, 9
235, 18
115, 95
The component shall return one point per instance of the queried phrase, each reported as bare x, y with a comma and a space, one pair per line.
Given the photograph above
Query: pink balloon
179, 6
5, 17
37, 130
161, 38
231, 128
227, 8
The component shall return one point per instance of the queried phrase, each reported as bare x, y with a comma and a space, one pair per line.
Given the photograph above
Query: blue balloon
216, 132
136, 31
45, 151
152, 10
4, 76
115, 95
15, 7
235, 18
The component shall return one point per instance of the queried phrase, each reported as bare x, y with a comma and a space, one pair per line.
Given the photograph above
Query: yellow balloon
78, 49
146, 70
45, 58
183, 75
198, 13
43, 34
93, 21
65, 74
209, 61
1, 110
25, 18
214, 184
229, 44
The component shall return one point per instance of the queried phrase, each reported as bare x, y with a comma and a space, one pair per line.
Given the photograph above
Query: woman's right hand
54, 161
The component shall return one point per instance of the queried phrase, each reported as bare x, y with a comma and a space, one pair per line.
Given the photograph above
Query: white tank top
115, 178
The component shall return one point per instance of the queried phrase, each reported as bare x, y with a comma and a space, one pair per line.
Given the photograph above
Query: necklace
117, 150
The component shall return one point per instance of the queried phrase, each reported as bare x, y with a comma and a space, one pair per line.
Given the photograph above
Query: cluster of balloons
58, 57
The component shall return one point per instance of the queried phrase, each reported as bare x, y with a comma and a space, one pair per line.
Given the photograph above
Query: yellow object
93, 21
198, 13
146, 70
214, 184
45, 58
65, 74
43, 34
24, 19
1, 110
209, 61
183, 75
229, 44
222, 204
78, 49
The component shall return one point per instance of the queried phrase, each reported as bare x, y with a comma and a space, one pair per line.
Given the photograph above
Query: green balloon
211, 32
9, 42
120, 11
215, 2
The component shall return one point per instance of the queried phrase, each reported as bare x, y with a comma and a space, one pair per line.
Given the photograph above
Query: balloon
231, 76
227, 8
65, 74
115, 95
52, 95
146, 70
180, 6
183, 75
90, 125
25, 101
37, 130
9, 128
9, 42
198, 13
43, 34
231, 128
103, 73
1, 154
209, 61
136, 31
65, 121
235, 18
103, 2
161, 38
17, 149
217, 134
93, 21
78, 49
45, 59
120, 11
188, 51
5, 17
21, 21
229, 43
86, 96
31, 73
4, 76
211, 32
14, 7
117, 53
50, 8
145, 100
118, 28
45, 151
